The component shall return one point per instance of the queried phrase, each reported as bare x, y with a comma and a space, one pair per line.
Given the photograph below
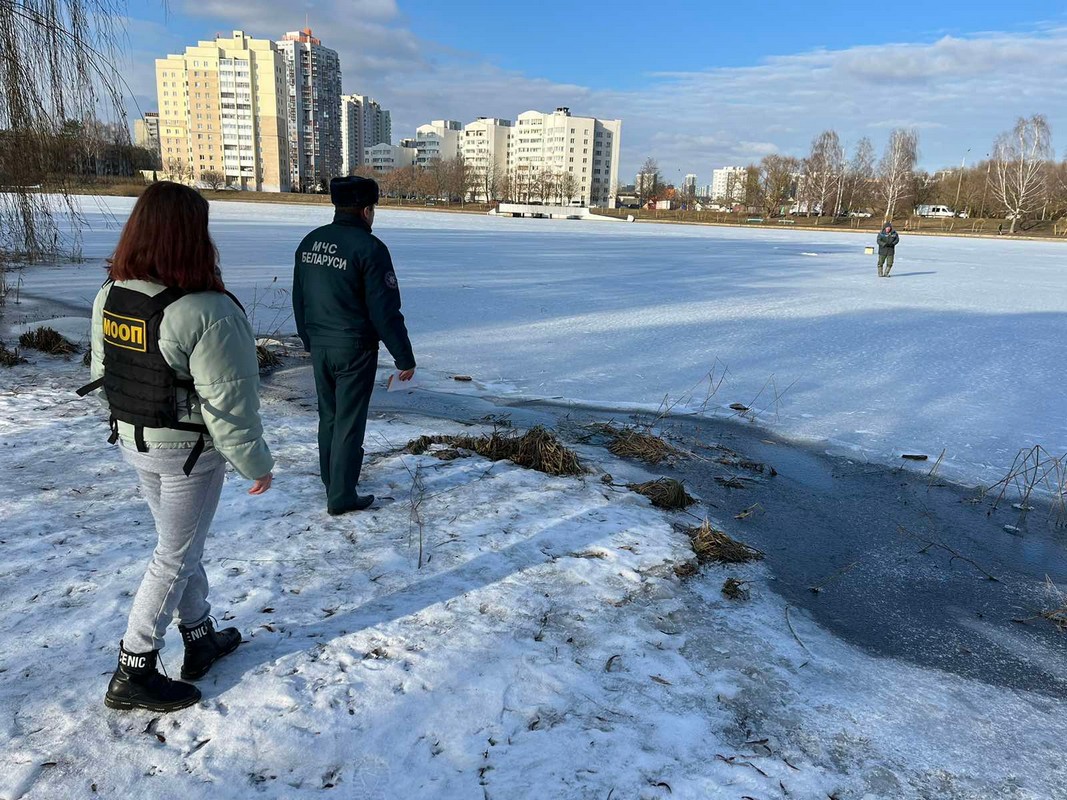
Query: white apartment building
222, 109
386, 157
313, 76
441, 140
146, 131
485, 151
728, 184
689, 186
580, 155
364, 124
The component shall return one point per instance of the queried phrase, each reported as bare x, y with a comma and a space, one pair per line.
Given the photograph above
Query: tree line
1018, 180
457, 180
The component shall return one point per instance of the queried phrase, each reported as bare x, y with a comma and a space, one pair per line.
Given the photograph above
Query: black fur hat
352, 190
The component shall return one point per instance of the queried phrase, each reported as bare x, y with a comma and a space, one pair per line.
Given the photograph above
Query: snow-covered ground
961, 350
544, 649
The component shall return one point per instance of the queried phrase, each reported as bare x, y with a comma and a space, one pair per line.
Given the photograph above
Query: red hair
166, 241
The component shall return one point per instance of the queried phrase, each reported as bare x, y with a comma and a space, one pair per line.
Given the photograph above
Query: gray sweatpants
183, 508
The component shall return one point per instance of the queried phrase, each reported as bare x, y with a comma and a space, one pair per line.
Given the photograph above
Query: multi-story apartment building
728, 184
313, 89
146, 131
578, 155
222, 109
386, 157
485, 151
364, 124
441, 140
689, 186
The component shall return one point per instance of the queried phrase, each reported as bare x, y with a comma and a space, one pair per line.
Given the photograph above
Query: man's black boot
204, 646
137, 684
361, 504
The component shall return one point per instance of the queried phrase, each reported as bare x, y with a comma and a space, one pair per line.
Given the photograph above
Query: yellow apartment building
222, 109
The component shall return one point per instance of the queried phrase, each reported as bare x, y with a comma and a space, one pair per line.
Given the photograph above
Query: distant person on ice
887, 242
346, 300
176, 359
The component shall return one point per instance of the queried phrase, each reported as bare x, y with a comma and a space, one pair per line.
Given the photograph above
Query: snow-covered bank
960, 350
545, 648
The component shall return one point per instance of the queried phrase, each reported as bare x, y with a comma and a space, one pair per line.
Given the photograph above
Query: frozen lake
962, 349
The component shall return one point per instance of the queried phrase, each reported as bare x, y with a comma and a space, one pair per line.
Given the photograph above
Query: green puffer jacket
206, 337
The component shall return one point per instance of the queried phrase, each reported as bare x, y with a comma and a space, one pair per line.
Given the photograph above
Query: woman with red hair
175, 360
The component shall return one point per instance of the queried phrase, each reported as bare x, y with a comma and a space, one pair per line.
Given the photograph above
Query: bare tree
178, 170
859, 175
568, 186
213, 178
823, 170
924, 188
778, 182
1020, 160
753, 188
895, 170
505, 185
649, 184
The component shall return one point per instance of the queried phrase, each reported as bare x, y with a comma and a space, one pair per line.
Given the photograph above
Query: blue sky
697, 84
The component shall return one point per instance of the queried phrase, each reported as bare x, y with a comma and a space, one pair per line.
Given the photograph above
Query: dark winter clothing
345, 291
344, 380
345, 300
352, 191
888, 239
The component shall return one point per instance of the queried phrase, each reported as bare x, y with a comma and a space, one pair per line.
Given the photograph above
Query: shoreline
297, 198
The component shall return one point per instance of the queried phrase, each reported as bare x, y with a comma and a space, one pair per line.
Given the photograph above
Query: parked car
860, 214
934, 211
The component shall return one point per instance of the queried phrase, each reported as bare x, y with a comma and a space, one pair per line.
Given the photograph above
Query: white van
934, 211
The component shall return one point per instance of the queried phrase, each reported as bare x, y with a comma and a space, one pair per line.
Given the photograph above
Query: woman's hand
407, 375
261, 485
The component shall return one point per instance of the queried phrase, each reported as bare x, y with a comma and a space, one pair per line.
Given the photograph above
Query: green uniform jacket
206, 337
887, 241
345, 291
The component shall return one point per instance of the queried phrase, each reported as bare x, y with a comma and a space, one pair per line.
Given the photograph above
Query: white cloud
957, 92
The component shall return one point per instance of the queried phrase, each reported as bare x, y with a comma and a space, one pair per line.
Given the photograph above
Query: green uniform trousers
344, 380
885, 259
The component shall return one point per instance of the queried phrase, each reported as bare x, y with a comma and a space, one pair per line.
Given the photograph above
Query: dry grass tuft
268, 359
1057, 615
687, 569
47, 340
711, 545
627, 441
664, 493
537, 449
10, 358
734, 589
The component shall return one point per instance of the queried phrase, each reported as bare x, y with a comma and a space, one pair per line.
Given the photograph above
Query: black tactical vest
142, 388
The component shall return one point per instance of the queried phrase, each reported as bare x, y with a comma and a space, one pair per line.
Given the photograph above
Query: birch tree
1020, 161
896, 169
858, 176
823, 170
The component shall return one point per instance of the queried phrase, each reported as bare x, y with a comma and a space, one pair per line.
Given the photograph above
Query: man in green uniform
888, 239
346, 300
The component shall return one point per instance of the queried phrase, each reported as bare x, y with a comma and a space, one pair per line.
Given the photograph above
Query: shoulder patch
390, 280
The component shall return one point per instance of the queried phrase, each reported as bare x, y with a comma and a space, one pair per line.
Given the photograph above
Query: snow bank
544, 648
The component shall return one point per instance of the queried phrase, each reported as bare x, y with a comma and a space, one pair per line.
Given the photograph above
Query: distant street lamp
959, 185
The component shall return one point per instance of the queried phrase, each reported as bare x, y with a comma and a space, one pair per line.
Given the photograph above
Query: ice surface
961, 349
544, 648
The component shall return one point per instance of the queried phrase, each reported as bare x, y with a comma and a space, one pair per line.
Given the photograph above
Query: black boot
204, 646
361, 504
137, 684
